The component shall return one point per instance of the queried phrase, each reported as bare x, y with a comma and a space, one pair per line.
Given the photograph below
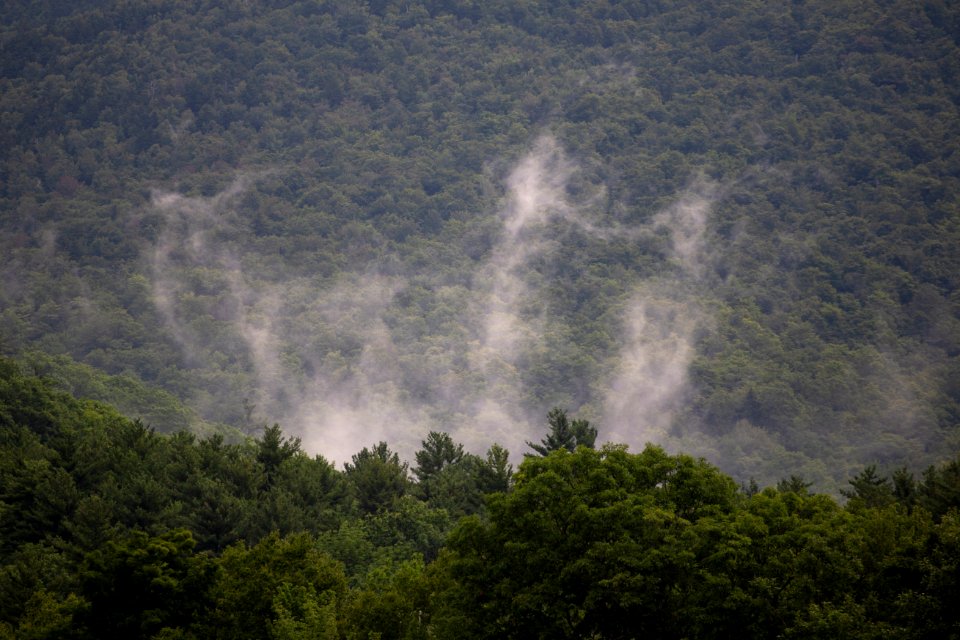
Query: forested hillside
108, 530
728, 228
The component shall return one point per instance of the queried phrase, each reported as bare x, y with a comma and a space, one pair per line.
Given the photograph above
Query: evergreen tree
497, 474
939, 492
870, 489
565, 434
376, 477
273, 449
439, 451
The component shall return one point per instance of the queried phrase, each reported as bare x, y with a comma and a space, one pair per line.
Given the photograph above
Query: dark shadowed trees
376, 477
565, 433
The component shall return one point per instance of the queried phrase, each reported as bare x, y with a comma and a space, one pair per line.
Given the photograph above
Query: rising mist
325, 361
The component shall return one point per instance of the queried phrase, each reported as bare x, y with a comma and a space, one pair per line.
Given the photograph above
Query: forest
110, 529
448, 318
730, 230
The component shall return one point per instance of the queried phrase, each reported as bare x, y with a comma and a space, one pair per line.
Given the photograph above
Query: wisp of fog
322, 360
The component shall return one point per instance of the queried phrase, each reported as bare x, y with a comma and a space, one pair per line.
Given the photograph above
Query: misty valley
445, 319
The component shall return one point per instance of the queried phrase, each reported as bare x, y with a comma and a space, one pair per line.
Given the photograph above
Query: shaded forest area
406, 231
108, 529
357, 153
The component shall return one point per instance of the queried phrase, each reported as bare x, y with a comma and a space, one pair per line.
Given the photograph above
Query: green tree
278, 586
767, 567
904, 487
565, 434
942, 562
794, 484
443, 470
303, 614
138, 585
394, 602
869, 489
273, 450
588, 544
376, 478
45, 616
32, 579
497, 474
457, 488
939, 491
438, 451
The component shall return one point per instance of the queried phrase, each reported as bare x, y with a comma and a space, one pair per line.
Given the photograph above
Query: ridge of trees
108, 528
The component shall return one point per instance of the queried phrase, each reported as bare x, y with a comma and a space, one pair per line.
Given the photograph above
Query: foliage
276, 587
611, 544
341, 140
139, 585
233, 213
98, 514
439, 451
376, 478
565, 434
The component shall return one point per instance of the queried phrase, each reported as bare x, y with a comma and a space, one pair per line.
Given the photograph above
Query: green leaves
832, 248
438, 452
376, 478
138, 584
302, 614
582, 543
589, 542
565, 434
278, 587
273, 449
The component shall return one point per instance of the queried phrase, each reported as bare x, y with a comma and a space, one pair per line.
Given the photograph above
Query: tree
904, 487
939, 492
457, 488
449, 478
565, 434
376, 478
394, 602
303, 614
439, 451
794, 484
273, 449
869, 489
497, 474
588, 544
45, 616
34, 570
138, 585
275, 588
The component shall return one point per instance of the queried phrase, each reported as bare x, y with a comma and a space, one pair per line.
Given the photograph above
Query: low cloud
659, 327
325, 360
651, 378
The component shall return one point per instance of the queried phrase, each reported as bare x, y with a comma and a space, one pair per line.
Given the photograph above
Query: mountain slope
728, 229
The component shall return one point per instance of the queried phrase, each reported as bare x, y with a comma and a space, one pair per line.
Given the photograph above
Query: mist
334, 403
659, 326
508, 299
326, 360
536, 193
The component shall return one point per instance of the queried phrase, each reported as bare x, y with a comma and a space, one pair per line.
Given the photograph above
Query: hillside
109, 529
730, 229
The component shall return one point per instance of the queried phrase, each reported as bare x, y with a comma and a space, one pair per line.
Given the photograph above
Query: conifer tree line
109, 529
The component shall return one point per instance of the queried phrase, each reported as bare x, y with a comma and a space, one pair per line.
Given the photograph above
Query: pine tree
565, 434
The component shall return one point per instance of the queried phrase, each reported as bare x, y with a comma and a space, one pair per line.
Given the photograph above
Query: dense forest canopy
109, 529
728, 228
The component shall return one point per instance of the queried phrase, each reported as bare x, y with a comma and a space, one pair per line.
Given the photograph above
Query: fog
658, 330
508, 302
325, 360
